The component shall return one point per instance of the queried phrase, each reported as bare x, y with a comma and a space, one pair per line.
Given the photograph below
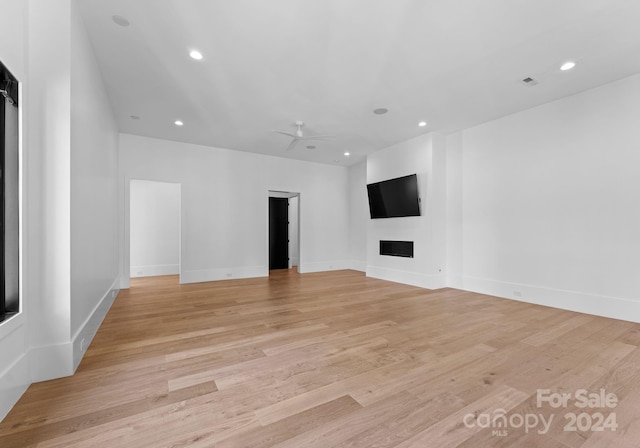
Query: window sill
6, 317
11, 322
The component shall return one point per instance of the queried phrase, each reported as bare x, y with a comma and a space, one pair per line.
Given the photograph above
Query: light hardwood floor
332, 360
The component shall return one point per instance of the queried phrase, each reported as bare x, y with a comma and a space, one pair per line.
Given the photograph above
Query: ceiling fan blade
317, 137
293, 143
288, 134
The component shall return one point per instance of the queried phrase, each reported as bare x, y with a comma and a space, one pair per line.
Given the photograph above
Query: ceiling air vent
529, 81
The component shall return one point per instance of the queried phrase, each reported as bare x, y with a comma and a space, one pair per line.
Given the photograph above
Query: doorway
284, 231
278, 233
154, 228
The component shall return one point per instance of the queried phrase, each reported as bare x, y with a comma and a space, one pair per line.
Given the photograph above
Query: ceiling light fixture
178, 122
119, 20
347, 154
422, 124
134, 117
195, 54
567, 66
311, 147
380, 111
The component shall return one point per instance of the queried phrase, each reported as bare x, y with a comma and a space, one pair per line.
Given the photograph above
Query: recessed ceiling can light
422, 124
119, 20
178, 122
567, 66
347, 154
134, 117
311, 147
380, 111
195, 54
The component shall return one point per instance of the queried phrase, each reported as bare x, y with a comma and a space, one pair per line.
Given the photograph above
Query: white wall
94, 192
49, 131
68, 149
454, 267
424, 156
225, 208
73, 142
549, 203
154, 228
14, 368
358, 216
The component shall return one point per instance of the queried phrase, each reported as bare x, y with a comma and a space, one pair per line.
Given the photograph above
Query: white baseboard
212, 275
59, 360
49, 362
407, 277
307, 267
14, 381
90, 326
15, 377
581, 302
455, 281
357, 265
46, 362
154, 270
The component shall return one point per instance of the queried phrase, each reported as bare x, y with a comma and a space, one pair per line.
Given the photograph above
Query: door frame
288, 195
125, 255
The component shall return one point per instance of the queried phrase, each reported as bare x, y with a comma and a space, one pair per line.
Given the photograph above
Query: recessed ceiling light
347, 154
567, 66
311, 147
422, 124
195, 54
120, 20
178, 122
380, 111
134, 117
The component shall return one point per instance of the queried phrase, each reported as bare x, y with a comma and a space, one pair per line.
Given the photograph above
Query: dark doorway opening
278, 233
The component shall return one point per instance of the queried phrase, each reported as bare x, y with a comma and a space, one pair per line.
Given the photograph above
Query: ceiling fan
299, 136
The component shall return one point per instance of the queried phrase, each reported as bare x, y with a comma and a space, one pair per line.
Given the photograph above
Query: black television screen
394, 197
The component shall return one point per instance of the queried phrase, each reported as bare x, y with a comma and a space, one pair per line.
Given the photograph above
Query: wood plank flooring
335, 360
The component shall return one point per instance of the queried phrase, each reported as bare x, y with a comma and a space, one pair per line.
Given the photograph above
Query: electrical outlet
229, 275
82, 347
113, 294
517, 294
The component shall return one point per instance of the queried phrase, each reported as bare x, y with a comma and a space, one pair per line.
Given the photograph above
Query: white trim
49, 362
14, 381
356, 265
15, 378
11, 324
124, 186
154, 270
91, 325
212, 275
582, 302
408, 278
323, 266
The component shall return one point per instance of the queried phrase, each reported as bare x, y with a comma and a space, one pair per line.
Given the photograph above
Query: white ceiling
329, 63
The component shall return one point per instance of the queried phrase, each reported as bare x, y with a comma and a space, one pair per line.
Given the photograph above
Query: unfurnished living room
320, 223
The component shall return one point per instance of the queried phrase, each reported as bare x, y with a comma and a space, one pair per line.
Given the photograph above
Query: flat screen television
394, 198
